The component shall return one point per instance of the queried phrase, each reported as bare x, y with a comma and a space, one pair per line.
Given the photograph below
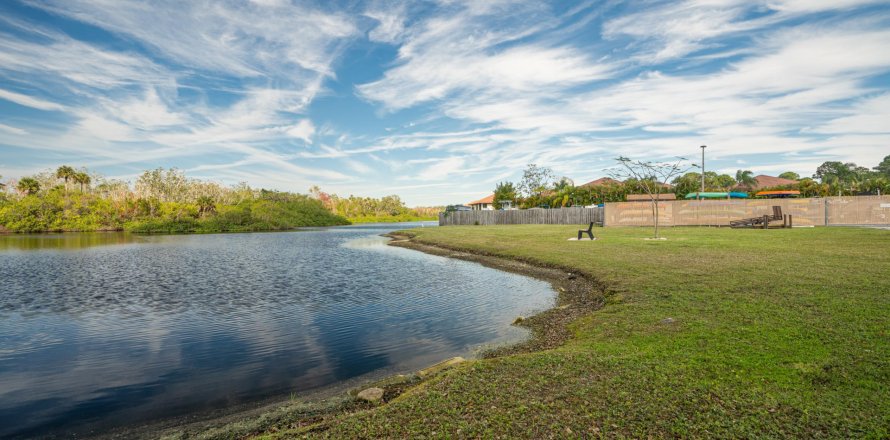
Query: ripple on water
112, 330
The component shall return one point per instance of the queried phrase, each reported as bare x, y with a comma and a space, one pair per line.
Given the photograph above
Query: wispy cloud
450, 95
29, 101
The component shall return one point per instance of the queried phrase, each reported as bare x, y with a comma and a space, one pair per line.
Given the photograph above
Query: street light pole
702, 171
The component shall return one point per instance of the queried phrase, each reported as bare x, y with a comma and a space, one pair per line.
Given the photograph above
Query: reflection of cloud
183, 322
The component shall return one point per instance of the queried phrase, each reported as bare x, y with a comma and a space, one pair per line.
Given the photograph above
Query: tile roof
602, 181
485, 200
764, 181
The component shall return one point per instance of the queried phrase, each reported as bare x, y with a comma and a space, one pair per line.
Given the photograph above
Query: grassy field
712, 333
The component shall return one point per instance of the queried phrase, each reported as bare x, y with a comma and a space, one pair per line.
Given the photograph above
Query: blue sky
437, 101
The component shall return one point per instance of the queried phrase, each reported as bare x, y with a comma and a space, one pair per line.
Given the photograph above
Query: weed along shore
706, 334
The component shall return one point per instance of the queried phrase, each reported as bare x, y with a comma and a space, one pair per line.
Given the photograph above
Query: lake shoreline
577, 295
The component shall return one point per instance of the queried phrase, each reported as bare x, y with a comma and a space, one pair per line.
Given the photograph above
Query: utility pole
702, 171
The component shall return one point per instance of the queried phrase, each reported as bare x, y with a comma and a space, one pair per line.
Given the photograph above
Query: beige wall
862, 210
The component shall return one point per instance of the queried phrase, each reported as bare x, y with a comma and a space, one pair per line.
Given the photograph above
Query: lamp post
702, 171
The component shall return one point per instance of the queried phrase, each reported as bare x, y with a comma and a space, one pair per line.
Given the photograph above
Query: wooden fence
860, 210
562, 216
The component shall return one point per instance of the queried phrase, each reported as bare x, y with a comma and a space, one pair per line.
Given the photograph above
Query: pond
108, 330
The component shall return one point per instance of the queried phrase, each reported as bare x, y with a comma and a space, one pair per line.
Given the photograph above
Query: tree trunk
655, 212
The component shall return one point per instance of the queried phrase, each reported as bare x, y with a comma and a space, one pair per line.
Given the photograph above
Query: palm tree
81, 178
65, 172
746, 179
206, 205
28, 186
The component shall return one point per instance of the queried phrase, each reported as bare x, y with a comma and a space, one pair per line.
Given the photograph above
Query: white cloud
302, 130
242, 40
12, 130
467, 50
64, 62
477, 90
390, 23
442, 169
29, 101
870, 116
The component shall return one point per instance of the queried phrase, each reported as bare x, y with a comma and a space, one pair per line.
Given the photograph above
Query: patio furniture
588, 231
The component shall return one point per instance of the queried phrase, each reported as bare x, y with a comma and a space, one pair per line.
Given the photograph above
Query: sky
438, 100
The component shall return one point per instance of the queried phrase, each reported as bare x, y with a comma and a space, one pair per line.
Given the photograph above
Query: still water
101, 331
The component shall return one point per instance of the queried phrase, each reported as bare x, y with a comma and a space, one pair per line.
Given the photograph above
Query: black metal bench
588, 231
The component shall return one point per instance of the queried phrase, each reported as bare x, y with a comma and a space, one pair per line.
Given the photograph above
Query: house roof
764, 181
646, 198
602, 181
483, 201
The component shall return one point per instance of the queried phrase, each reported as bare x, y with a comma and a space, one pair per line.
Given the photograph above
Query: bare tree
652, 177
535, 180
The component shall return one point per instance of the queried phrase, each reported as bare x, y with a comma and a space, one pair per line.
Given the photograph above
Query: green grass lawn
714, 333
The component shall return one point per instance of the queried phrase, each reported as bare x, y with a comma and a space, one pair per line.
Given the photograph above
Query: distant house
483, 204
607, 181
764, 181
647, 198
600, 182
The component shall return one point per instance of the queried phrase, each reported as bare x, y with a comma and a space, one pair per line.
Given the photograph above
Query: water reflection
109, 335
27, 242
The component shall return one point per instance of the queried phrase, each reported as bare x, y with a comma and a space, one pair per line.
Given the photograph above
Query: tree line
539, 186
368, 209
166, 200
70, 199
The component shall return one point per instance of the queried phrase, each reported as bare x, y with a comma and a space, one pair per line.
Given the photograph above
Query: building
483, 204
764, 181
648, 198
601, 182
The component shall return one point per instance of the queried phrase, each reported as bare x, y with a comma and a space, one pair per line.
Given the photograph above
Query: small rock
572, 276
371, 394
518, 320
667, 321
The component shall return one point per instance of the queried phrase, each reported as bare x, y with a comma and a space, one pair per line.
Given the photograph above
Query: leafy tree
651, 177
723, 182
687, 183
28, 185
563, 183
745, 178
884, 166
504, 192
81, 178
691, 182
206, 205
65, 173
833, 171
535, 180
790, 175
166, 185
